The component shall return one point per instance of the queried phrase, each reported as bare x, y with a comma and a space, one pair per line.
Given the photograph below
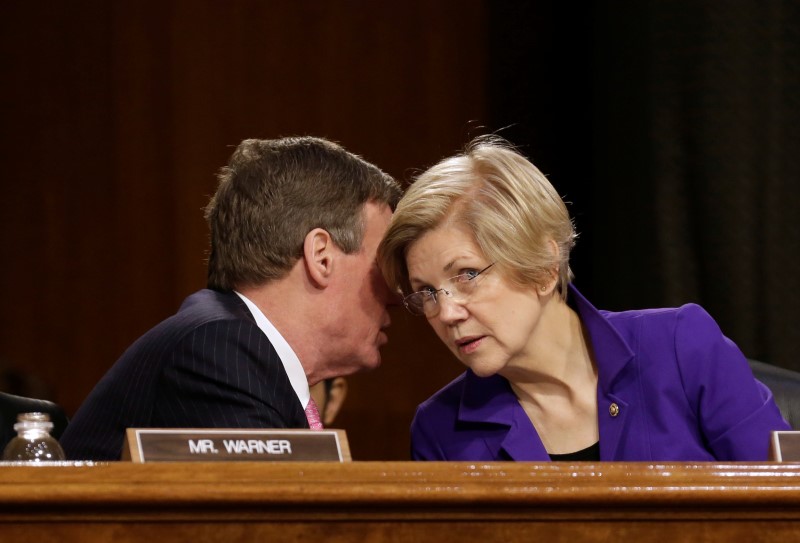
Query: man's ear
318, 252
336, 396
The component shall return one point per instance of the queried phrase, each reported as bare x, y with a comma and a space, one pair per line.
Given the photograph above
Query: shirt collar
291, 363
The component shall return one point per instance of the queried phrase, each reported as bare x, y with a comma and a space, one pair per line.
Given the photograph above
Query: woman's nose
450, 309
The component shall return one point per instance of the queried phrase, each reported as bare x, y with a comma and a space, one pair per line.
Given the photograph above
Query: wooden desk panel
400, 501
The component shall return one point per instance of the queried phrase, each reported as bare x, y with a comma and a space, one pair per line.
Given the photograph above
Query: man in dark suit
294, 297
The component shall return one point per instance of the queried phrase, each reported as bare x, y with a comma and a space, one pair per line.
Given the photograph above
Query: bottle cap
33, 421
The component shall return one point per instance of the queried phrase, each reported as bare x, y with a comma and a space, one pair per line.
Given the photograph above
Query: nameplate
785, 446
234, 445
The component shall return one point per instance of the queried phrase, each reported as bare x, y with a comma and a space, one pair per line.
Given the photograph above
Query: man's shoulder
202, 309
214, 304
206, 306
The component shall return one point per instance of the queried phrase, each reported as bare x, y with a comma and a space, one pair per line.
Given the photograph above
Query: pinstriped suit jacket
207, 366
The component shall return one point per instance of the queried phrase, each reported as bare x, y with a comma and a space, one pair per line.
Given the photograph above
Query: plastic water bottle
33, 442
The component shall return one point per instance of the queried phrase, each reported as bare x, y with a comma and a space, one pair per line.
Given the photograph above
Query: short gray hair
273, 192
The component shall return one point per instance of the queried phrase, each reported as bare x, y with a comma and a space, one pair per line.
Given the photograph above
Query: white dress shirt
295, 371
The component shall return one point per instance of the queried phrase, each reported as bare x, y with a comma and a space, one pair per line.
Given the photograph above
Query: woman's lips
469, 345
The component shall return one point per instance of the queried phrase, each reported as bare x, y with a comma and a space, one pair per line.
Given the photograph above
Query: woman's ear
548, 287
318, 252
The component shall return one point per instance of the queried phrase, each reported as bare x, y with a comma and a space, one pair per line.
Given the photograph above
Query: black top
592, 452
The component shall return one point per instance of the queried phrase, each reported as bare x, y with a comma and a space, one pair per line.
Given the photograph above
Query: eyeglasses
461, 286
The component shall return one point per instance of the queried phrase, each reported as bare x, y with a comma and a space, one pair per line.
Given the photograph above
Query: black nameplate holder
234, 445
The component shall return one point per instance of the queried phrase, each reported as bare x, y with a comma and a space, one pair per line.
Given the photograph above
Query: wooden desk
399, 502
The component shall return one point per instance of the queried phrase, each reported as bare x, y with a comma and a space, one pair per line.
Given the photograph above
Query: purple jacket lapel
491, 400
616, 388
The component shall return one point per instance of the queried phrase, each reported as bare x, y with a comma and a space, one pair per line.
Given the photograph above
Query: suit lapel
490, 400
616, 390
522, 442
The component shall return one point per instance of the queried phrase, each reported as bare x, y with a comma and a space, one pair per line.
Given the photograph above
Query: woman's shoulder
637, 319
687, 320
665, 314
688, 325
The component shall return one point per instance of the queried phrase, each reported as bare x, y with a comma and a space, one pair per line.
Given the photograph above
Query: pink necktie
312, 414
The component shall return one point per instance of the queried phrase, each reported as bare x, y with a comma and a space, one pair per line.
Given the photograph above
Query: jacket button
613, 410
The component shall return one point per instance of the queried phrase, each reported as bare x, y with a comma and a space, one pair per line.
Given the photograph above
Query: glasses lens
415, 303
424, 302
466, 283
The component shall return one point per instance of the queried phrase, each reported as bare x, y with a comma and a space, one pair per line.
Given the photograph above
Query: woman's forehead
441, 249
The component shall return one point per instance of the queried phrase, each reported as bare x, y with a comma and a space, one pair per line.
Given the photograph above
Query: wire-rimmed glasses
459, 288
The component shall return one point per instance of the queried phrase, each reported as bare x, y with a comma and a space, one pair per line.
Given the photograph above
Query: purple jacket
670, 387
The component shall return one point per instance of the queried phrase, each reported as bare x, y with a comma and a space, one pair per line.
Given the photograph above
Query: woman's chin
483, 370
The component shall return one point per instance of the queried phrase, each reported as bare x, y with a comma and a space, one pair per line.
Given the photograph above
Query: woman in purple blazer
480, 245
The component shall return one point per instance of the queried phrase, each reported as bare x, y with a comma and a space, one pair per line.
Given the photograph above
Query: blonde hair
506, 202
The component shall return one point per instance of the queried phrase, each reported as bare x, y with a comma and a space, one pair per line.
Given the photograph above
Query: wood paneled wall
116, 116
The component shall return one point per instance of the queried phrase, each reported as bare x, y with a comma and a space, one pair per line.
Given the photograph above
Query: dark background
670, 127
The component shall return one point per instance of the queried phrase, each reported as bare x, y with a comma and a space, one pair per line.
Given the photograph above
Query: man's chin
361, 365
372, 363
